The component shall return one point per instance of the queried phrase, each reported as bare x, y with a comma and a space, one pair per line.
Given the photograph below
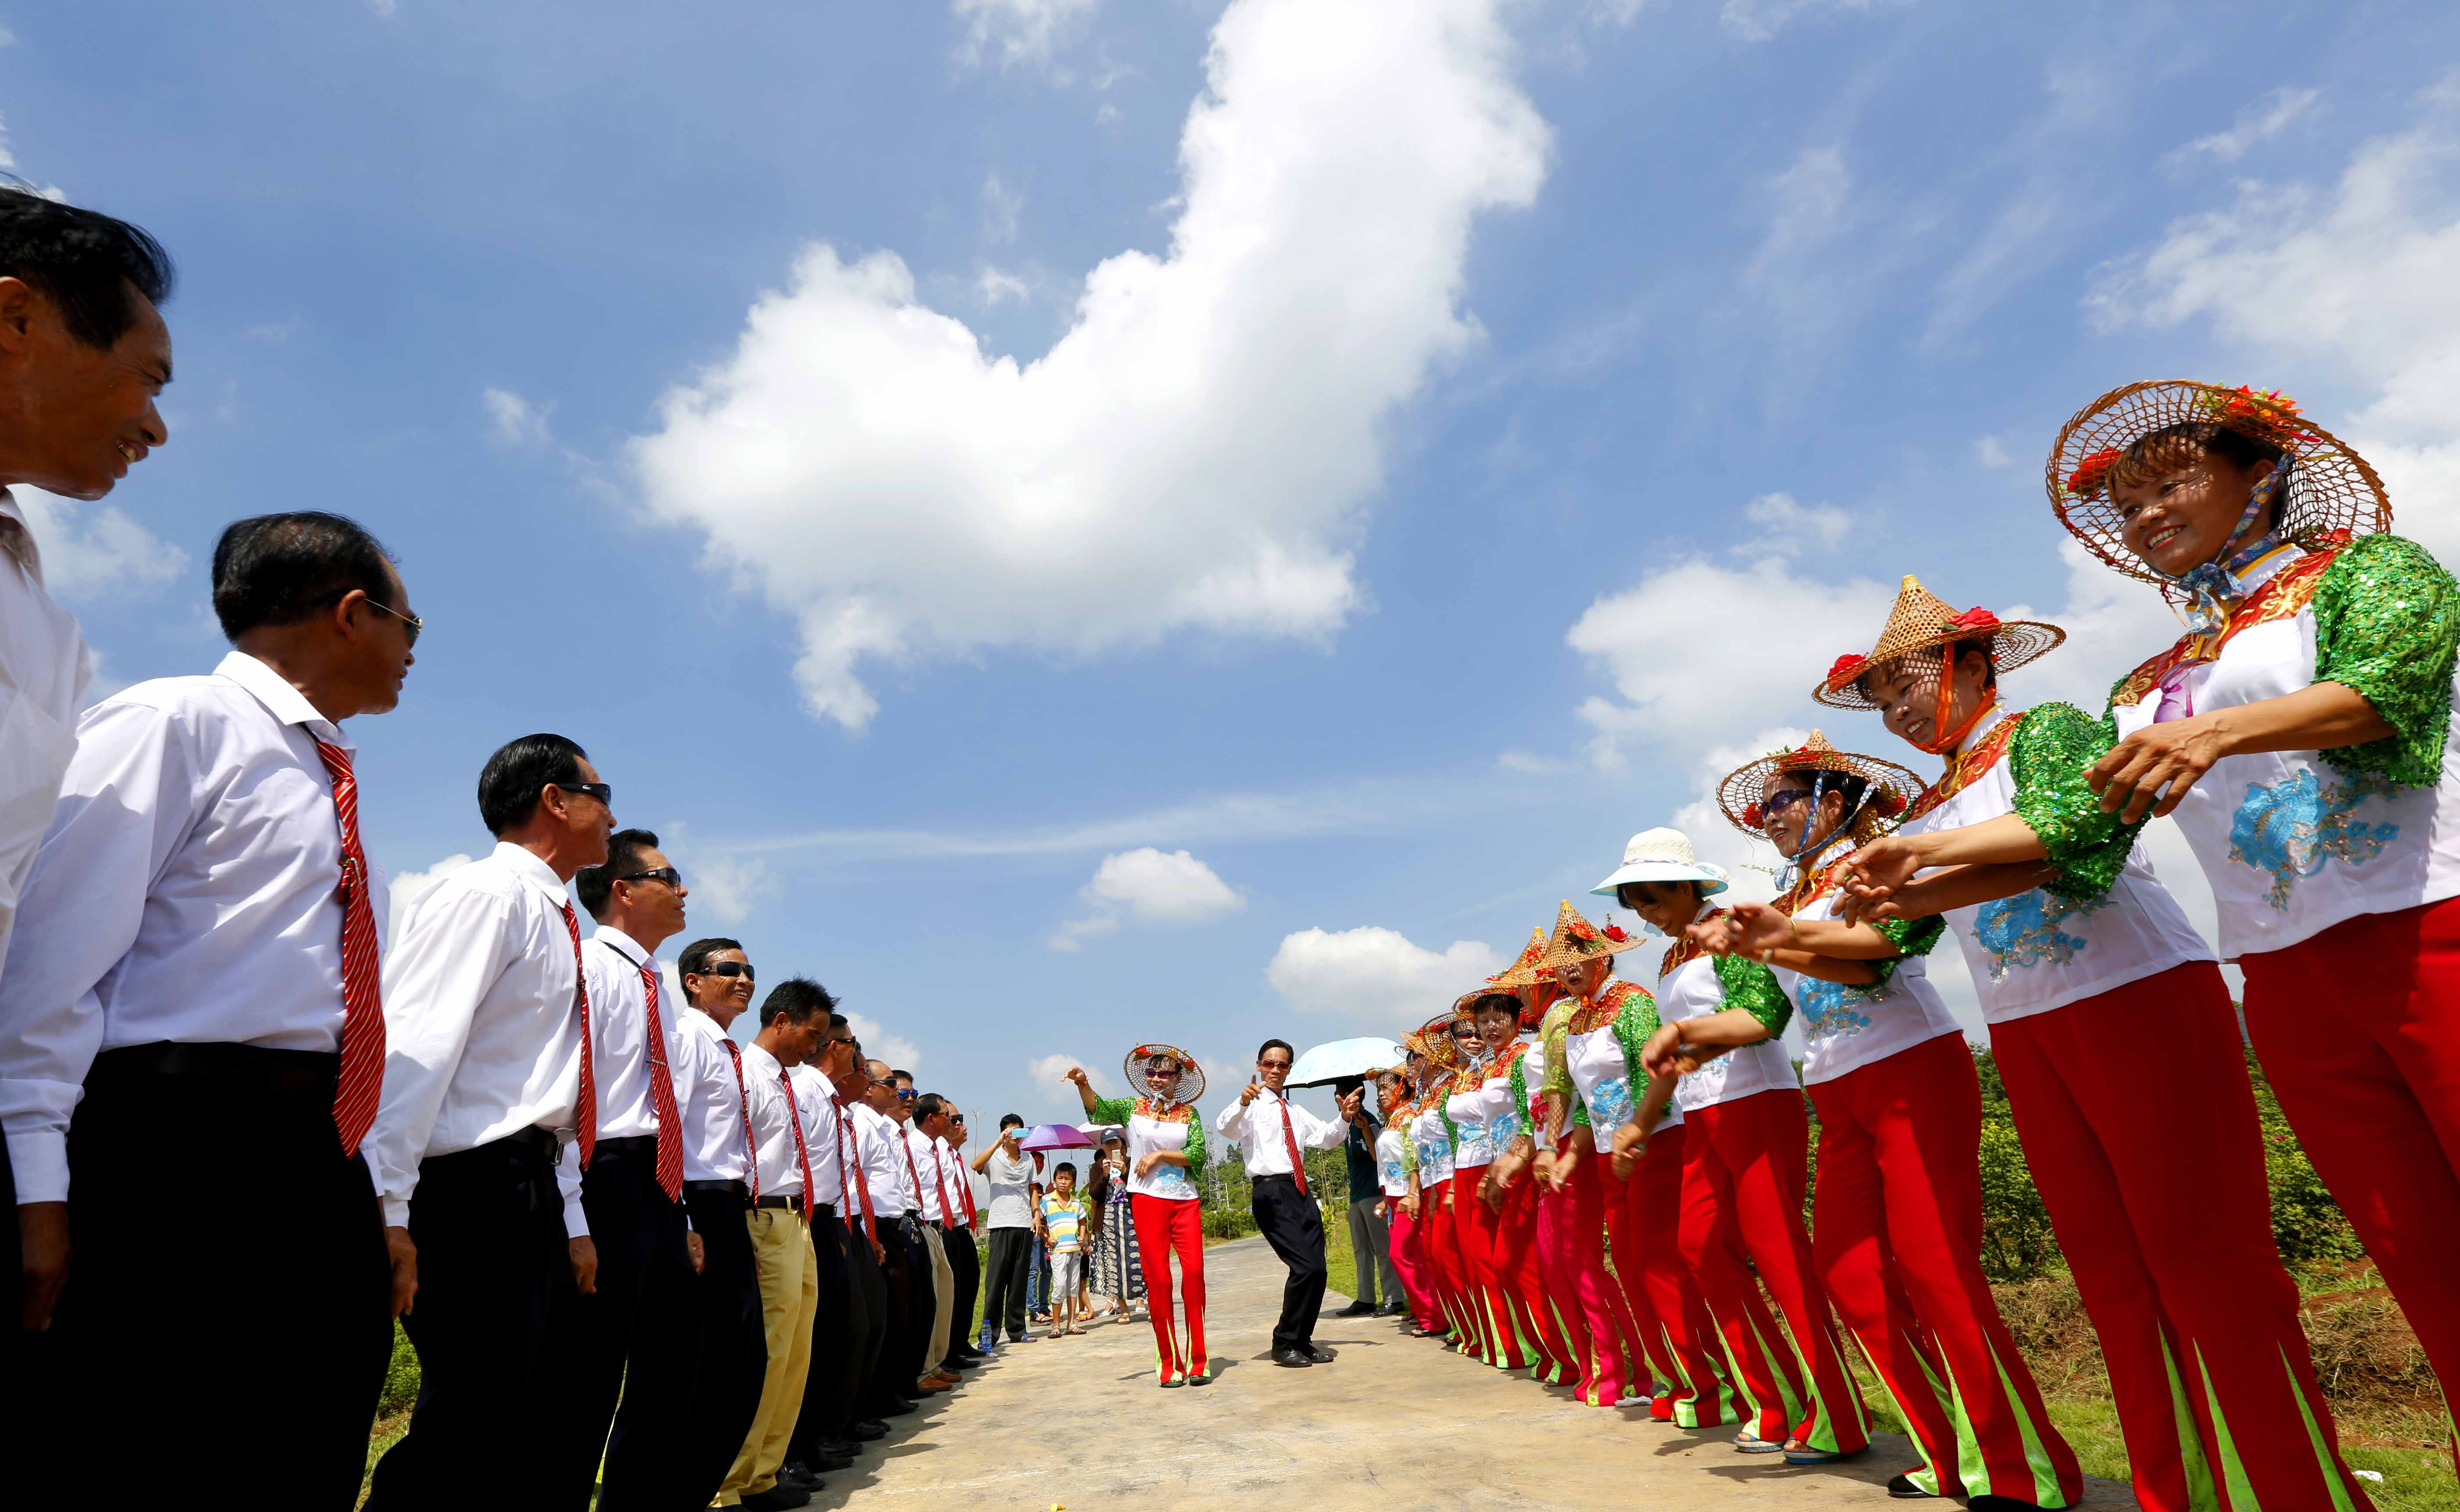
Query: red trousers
1896, 1228
1164, 1225
1598, 1317
1644, 1215
1522, 1277
1749, 1158
2140, 1128
1408, 1263
1441, 1246
1490, 1305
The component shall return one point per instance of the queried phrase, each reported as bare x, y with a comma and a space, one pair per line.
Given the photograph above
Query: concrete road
1394, 1425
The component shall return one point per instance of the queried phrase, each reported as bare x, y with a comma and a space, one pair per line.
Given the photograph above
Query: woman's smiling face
2179, 516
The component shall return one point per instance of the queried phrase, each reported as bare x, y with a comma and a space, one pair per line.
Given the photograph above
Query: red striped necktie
862, 1180
751, 1145
360, 1082
794, 1111
585, 1114
1290, 1143
662, 1099
939, 1176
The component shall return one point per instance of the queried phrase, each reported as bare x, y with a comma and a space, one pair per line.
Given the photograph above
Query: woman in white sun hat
1742, 1125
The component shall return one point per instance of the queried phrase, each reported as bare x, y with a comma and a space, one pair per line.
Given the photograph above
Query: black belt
789, 1204
721, 1188
825, 1209
631, 1146
536, 1140
298, 1075
1282, 1177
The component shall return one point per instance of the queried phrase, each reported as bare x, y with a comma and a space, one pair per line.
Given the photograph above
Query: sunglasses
599, 791
666, 874
1784, 798
1272, 1065
906, 1096
742, 969
410, 624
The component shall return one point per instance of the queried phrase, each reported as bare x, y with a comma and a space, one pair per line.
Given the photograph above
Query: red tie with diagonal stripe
585, 1117
751, 1145
861, 1178
1290, 1143
662, 1099
361, 1082
802, 1153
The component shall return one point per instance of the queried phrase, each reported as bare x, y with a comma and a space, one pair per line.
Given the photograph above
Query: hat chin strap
1944, 744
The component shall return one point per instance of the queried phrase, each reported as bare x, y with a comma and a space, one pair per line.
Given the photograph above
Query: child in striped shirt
1063, 1220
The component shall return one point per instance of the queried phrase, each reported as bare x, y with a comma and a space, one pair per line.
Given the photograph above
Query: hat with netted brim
1920, 620
1436, 1043
1576, 941
1893, 787
1190, 1084
2330, 487
1528, 967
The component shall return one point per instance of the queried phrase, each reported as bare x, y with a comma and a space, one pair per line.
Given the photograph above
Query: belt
631, 1146
721, 1188
302, 1075
1282, 1177
825, 1209
789, 1204
536, 1140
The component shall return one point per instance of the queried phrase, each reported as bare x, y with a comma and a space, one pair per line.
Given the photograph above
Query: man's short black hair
280, 569
799, 999
928, 1104
694, 960
509, 785
83, 261
625, 849
907, 1077
1276, 1044
1009, 1120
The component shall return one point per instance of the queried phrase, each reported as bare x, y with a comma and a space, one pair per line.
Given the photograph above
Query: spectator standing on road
1371, 1239
1011, 1227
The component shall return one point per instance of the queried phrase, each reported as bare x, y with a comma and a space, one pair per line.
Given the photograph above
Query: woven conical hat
1740, 793
2331, 487
1524, 970
1920, 620
1576, 941
1190, 1084
1441, 1050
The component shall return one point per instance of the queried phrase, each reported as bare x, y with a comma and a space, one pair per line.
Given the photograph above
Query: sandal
1748, 1443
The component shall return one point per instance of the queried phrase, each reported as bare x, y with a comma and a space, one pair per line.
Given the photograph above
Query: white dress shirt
481, 1036
772, 1123
710, 1103
44, 670
925, 1172
818, 1101
952, 1161
884, 1160
619, 1033
188, 891
1257, 1130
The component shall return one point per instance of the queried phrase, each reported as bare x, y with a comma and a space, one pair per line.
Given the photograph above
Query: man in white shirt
632, 1192
83, 352
907, 1267
726, 1352
872, 1398
932, 1280
484, 1008
1011, 1233
1273, 1135
794, 1027
934, 1116
190, 1010
959, 1241
821, 1440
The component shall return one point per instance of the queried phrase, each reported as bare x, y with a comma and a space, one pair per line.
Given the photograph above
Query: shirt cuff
40, 1163
576, 1222
396, 1212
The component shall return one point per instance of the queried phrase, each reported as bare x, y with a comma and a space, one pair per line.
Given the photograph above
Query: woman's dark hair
509, 785
1495, 1002
83, 260
596, 885
797, 997
280, 569
1627, 891
2171, 445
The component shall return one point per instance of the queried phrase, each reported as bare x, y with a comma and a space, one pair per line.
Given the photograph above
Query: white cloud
1376, 975
1044, 1072
1758, 20
90, 550
996, 287
1796, 275
409, 887
2347, 290
2260, 122
1615, 12
1197, 450
383, 8
1685, 666
725, 889
517, 421
1025, 29
1991, 452
1529, 763
1150, 887
878, 1044
1780, 513
1001, 208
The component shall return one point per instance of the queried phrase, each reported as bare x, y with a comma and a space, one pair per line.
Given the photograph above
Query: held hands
404, 1257
1752, 930
584, 1265
1556, 1172
1630, 1142
699, 1255
1409, 1208
1661, 1055
1873, 874
1490, 1189
1713, 936
2137, 769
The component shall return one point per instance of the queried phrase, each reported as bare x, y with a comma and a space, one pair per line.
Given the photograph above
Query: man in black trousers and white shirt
1273, 1136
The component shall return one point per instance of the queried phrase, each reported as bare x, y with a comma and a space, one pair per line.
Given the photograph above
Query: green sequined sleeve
1195, 1149
1632, 1028
1551, 1035
2048, 759
2387, 628
1451, 1130
1519, 1085
1114, 1110
1752, 988
1408, 1155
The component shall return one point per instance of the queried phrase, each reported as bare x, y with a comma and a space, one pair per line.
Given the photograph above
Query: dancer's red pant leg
1525, 1283
2359, 1029
1167, 1226
1666, 1304
1613, 1352
2140, 1131
1489, 1307
1763, 1142
1896, 1226
1442, 1249
1756, 1350
1408, 1262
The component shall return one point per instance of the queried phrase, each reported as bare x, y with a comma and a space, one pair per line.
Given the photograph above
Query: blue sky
945, 460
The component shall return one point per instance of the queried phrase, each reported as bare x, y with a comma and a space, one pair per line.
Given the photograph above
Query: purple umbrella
1054, 1135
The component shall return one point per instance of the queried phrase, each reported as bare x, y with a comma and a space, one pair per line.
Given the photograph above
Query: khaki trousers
790, 1296
944, 1297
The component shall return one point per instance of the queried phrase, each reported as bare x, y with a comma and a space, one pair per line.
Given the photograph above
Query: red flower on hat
1891, 803
1753, 816
1614, 933
1977, 620
2092, 473
1843, 667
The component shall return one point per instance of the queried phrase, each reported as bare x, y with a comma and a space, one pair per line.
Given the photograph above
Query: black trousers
909, 1337
1293, 1224
967, 1269
494, 1266
214, 1221
1004, 1304
635, 1313
727, 1346
838, 1331
871, 1296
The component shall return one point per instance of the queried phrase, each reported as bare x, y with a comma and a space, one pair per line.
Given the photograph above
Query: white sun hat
1662, 856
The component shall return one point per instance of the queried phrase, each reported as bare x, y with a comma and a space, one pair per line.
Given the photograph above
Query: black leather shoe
1356, 1309
778, 1498
1295, 1359
1389, 1310
867, 1429
1022, 1338
1319, 1356
1903, 1488
897, 1408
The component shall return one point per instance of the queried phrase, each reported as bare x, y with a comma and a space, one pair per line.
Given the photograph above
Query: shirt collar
750, 1051
280, 699
623, 945
2259, 572
524, 863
